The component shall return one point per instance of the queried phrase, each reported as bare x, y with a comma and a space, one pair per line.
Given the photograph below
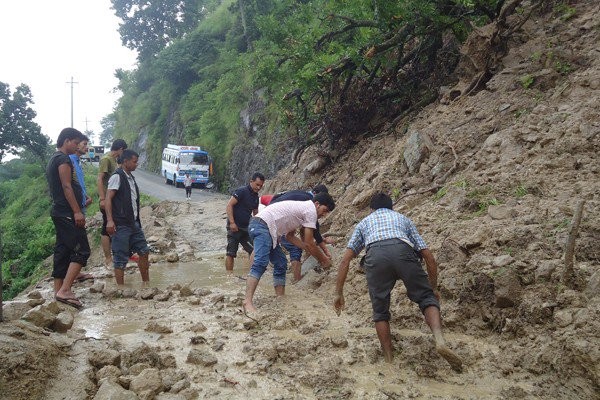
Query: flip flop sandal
75, 303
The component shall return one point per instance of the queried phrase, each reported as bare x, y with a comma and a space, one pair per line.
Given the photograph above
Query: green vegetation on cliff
330, 69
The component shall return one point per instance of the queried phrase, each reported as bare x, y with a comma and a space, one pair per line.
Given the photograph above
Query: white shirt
287, 216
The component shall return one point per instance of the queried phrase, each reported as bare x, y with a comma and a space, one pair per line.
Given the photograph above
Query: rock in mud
34, 294
110, 390
179, 386
129, 293
109, 371
201, 357
141, 354
102, 358
14, 310
198, 327
63, 322
136, 369
163, 296
148, 293
156, 327
172, 257
148, 380
39, 316
97, 287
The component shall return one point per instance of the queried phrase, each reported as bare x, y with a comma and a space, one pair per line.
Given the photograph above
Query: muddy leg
120, 276
229, 264
251, 284
385, 338
279, 290
64, 290
432, 317
144, 266
296, 270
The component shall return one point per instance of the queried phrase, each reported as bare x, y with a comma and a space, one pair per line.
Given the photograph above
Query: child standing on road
187, 182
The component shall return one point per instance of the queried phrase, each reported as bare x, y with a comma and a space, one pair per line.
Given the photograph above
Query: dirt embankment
492, 181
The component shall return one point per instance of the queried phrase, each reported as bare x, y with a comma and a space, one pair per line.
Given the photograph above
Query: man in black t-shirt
72, 249
242, 205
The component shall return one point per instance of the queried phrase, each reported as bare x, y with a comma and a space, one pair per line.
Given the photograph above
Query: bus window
194, 159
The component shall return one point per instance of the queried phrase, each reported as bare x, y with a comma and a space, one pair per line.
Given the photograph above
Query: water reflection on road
208, 272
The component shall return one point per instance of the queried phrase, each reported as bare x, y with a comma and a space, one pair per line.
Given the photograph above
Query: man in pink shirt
278, 219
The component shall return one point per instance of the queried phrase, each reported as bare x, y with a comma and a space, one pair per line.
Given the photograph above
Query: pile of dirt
492, 180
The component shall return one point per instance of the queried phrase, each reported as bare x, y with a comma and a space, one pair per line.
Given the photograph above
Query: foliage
329, 69
18, 131
149, 27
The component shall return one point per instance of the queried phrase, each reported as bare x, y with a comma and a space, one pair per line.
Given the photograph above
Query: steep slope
492, 181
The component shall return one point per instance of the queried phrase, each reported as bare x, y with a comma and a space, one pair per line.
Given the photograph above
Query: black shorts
386, 262
104, 222
72, 246
188, 190
234, 239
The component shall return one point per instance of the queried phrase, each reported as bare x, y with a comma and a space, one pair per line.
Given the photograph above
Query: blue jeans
264, 252
127, 240
295, 252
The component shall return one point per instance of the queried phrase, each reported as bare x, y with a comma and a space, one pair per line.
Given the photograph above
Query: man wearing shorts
393, 247
108, 165
72, 248
123, 219
242, 204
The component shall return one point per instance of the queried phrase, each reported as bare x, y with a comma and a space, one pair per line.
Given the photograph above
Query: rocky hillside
493, 179
500, 175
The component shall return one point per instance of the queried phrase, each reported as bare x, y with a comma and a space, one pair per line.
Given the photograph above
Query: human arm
323, 246
338, 302
229, 209
110, 224
101, 190
314, 250
432, 270
65, 174
88, 200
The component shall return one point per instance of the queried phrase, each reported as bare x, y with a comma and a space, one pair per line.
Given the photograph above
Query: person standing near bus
123, 219
108, 165
241, 206
187, 182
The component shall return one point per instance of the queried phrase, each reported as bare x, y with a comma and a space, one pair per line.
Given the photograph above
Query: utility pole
72, 83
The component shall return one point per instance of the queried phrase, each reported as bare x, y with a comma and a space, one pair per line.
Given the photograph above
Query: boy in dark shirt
72, 248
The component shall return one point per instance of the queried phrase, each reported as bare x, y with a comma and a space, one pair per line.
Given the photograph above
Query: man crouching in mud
278, 219
392, 243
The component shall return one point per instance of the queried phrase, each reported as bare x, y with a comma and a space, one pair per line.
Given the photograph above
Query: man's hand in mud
338, 303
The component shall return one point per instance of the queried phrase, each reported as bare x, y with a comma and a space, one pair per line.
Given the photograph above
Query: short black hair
118, 145
325, 199
67, 134
84, 138
381, 200
128, 154
258, 175
320, 188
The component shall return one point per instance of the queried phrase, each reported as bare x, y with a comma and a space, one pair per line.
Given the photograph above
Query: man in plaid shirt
393, 248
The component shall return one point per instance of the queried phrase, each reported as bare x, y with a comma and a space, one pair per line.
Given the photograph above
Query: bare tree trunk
567, 278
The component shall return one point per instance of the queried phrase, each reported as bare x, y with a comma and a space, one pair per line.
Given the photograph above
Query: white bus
178, 160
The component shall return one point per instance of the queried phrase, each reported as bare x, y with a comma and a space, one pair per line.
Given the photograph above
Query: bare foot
248, 307
454, 361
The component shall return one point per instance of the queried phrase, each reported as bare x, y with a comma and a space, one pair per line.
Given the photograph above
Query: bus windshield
193, 159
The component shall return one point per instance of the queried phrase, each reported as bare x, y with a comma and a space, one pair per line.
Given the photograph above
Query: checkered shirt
383, 224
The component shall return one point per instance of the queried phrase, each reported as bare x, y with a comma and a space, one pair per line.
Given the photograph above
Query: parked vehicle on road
178, 160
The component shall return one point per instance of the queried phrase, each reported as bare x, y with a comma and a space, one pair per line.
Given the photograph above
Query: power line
72, 83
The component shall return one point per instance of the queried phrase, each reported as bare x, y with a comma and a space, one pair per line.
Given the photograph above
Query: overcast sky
46, 42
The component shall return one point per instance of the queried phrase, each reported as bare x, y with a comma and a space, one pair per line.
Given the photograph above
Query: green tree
18, 131
108, 129
149, 27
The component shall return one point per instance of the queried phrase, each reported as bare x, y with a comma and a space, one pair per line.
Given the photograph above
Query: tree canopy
18, 131
329, 69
